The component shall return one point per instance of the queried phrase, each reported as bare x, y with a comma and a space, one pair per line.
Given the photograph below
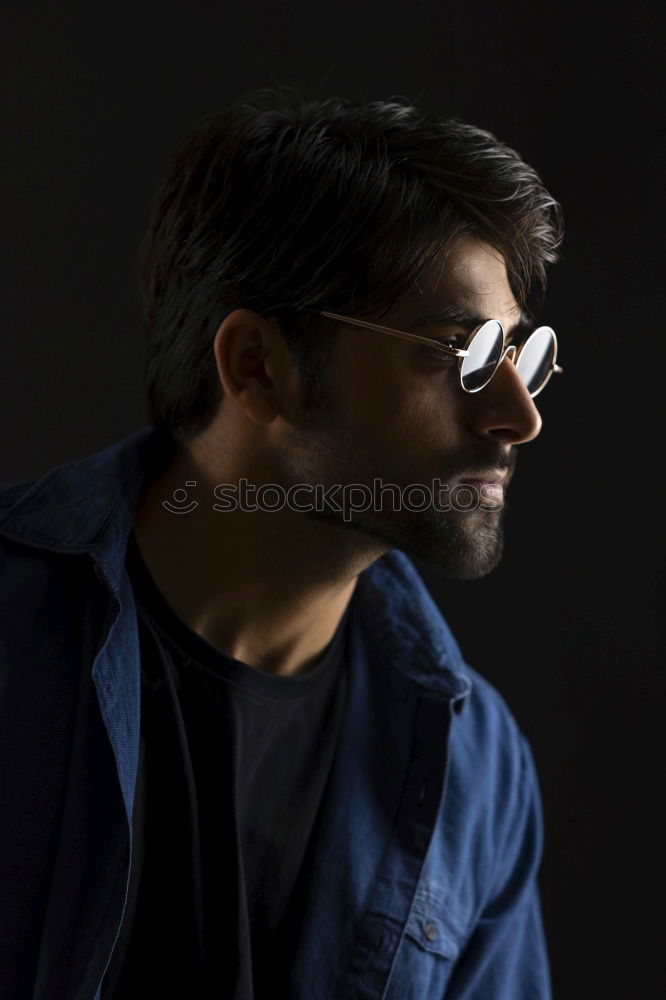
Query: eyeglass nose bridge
510, 351
510, 348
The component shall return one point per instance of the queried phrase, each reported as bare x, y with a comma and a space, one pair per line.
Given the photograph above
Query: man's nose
504, 409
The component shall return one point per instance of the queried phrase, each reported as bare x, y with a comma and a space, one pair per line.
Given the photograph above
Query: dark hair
280, 202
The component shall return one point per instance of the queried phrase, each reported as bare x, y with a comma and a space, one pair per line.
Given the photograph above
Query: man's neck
266, 587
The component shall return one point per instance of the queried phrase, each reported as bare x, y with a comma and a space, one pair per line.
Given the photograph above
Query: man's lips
491, 483
491, 476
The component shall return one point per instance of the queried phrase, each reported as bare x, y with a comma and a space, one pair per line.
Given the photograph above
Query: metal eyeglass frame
456, 352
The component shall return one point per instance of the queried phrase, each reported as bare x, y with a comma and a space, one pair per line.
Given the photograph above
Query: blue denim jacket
424, 878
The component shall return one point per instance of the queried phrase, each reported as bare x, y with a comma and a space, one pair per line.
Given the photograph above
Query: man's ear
247, 347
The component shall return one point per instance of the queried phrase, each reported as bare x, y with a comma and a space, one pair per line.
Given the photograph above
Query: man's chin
462, 549
459, 565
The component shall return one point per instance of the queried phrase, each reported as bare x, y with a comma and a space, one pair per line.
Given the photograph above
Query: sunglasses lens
536, 358
484, 352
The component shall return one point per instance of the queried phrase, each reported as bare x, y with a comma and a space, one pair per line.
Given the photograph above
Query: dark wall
567, 627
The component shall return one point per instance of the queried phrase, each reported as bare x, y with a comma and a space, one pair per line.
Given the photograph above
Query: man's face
399, 414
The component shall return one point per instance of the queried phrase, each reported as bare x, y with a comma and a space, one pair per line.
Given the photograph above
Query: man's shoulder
12, 492
86, 503
423, 642
484, 731
491, 762
488, 712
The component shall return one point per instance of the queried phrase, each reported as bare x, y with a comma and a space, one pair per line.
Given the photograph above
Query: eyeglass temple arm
453, 351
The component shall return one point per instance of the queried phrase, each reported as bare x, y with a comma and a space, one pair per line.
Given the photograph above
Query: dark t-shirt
232, 770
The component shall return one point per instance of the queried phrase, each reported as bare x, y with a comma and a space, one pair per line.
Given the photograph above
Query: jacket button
430, 931
122, 860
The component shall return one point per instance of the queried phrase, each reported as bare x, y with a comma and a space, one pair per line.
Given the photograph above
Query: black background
568, 626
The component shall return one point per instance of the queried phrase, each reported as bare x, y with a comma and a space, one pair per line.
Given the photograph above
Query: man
243, 755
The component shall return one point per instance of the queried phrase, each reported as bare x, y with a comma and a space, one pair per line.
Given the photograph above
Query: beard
462, 544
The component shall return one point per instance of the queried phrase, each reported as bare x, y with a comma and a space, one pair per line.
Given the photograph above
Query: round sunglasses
484, 350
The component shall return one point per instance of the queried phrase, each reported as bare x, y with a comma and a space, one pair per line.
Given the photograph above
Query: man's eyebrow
466, 319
